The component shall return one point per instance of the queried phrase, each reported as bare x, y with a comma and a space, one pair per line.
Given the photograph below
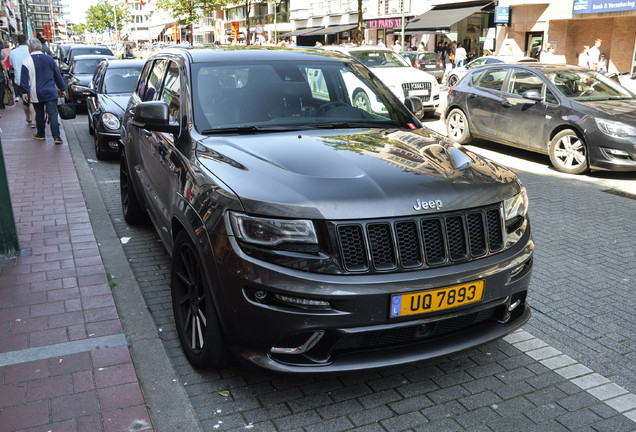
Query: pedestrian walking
460, 55
45, 47
595, 54
17, 56
4, 76
584, 58
128, 52
40, 81
397, 48
602, 64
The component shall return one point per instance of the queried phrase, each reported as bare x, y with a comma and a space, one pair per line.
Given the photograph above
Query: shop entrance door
534, 44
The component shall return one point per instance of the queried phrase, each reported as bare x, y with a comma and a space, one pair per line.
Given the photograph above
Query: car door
485, 102
523, 121
159, 154
144, 160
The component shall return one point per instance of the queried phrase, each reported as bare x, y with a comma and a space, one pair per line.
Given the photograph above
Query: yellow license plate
437, 299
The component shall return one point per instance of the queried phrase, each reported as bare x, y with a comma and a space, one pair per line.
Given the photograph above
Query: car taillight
418, 65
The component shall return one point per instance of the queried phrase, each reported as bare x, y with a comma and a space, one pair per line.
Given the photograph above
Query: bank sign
602, 6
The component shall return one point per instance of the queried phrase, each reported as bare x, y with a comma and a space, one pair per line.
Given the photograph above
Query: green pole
8, 237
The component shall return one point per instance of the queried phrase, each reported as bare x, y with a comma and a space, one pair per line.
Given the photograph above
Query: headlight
615, 129
271, 232
517, 206
110, 121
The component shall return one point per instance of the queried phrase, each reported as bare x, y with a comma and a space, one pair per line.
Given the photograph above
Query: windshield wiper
249, 130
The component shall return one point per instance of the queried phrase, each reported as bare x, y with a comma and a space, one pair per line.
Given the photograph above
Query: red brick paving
58, 294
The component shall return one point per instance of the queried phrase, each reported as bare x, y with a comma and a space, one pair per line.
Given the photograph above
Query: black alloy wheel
194, 313
131, 208
361, 100
452, 80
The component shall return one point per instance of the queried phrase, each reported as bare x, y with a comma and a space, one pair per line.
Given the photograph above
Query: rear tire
134, 213
194, 313
457, 127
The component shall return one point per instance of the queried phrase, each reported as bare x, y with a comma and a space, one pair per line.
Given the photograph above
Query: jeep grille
421, 242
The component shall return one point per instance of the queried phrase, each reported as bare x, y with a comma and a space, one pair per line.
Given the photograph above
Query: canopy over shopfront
440, 19
334, 29
302, 32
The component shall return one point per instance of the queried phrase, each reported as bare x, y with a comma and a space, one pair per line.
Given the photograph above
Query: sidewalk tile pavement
64, 361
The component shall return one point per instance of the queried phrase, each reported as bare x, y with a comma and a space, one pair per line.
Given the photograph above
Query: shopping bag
65, 110
8, 96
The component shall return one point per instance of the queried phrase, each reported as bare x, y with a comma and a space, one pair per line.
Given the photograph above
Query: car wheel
452, 80
91, 129
457, 127
101, 154
361, 100
130, 206
568, 152
194, 313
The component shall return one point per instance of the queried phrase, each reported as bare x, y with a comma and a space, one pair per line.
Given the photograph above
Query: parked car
81, 49
628, 81
396, 73
308, 235
110, 89
458, 73
581, 118
79, 76
60, 52
428, 61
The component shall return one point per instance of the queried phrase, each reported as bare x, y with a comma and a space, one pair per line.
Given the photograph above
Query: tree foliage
78, 29
101, 17
188, 12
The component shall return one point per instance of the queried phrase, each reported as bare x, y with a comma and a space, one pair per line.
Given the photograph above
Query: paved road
573, 367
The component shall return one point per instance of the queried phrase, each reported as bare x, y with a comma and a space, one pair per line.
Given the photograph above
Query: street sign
259, 29
47, 32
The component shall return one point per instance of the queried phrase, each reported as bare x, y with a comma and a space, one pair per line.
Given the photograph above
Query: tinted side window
172, 91
550, 97
153, 85
492, 79
522, 81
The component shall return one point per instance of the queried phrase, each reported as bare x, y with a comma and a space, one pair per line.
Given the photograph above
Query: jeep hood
352, 174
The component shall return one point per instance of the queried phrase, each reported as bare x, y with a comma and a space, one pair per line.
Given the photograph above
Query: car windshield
586, 85
383, 59
121, 80
289, 95
86, 66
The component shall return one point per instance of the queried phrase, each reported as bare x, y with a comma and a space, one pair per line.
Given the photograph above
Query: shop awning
302, 32
334, 29
154, 32
440, 19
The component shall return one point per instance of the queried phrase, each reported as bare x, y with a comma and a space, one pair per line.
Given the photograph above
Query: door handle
506, 104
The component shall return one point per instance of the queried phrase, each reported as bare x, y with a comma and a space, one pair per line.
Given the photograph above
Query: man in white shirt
594, 55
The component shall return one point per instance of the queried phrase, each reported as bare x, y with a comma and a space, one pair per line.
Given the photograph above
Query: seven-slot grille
426, 241
417, 86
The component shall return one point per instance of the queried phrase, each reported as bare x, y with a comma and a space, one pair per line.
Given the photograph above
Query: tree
360, 24
78, 29
188, 12
101, 17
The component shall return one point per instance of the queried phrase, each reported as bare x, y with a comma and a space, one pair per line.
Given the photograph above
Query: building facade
570, 25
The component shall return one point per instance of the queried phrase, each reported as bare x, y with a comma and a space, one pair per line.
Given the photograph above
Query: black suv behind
307, 234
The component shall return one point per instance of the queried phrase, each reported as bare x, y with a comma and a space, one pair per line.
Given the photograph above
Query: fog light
299, 301
616, 152
113, 144
260, 294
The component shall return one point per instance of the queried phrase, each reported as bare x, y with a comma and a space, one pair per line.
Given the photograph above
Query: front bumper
355, 331
609, 153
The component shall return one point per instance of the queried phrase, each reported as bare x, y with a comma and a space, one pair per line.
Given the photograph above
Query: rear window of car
429, 58
492, 79
92, 50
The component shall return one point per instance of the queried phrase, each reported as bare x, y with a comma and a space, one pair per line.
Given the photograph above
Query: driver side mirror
153, 116
534, 95
415, 106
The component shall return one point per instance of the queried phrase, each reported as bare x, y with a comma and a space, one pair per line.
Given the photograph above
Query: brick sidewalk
64, 360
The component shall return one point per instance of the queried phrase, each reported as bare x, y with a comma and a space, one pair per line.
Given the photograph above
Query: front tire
452, 80
457, 127
194, 314
568, 153
99, 153
134, 213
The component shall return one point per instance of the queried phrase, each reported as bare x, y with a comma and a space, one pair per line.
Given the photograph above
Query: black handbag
66, 111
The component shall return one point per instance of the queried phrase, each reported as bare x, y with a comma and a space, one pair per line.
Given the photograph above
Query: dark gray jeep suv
310, 235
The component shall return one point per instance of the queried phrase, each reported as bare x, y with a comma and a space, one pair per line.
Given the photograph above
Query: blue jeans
51, 109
